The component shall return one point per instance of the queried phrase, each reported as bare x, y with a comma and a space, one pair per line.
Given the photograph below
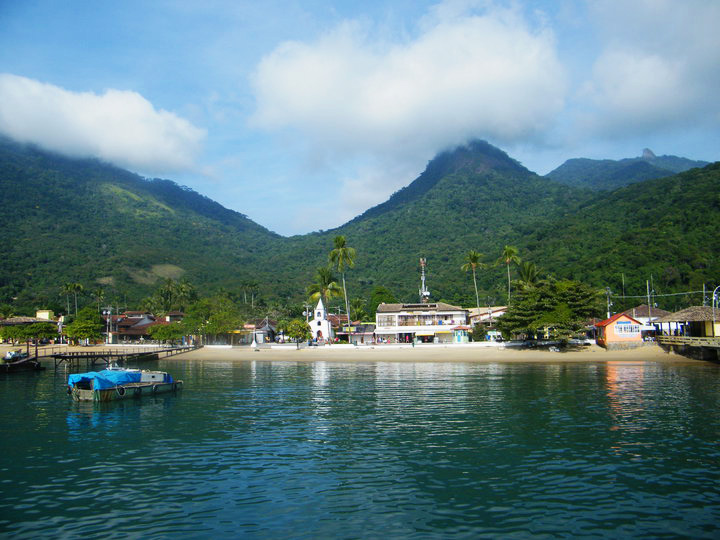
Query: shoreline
439, 354
450, 354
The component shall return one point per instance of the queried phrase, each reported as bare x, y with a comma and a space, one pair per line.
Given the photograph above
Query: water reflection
327, 449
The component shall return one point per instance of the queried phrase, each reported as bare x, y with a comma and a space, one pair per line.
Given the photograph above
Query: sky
303, 114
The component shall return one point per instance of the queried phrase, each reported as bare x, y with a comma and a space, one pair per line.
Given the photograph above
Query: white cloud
353, 93
463, 76
658, 68
118, 126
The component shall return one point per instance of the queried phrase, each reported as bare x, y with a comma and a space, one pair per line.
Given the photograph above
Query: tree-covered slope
608, 174
70, 220
668, 228
83, 221
475, 197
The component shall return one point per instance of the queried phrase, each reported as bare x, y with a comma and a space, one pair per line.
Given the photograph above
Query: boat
15, 361
120, 383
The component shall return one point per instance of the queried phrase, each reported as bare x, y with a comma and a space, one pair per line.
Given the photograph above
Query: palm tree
67, 289
342, 256
472, 262
509, 255
324, 287
75, 289
185, 293
99, 295
357, 306
528, 274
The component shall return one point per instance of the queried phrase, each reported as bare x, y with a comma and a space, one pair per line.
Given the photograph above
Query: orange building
619, 332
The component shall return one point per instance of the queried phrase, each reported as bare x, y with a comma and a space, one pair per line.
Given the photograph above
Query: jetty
111, 357
702, 348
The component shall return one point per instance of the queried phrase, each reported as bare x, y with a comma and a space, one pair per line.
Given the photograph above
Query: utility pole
608, 293
647, 283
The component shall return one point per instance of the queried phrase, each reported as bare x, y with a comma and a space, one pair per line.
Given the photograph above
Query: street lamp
108, 317
714, 301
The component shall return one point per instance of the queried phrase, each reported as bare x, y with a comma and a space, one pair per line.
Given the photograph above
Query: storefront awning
424, 333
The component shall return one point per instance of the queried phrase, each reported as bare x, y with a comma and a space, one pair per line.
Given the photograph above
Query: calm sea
369, 450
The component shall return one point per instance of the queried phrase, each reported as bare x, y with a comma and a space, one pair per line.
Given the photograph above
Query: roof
474, 312
433, 306
691, 314
644, 311
614, 318
23, 320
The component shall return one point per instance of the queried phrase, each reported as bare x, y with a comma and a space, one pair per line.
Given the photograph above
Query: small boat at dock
120, 383
16, 361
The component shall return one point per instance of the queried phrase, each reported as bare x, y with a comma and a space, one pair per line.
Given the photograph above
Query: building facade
619, 332
427, 323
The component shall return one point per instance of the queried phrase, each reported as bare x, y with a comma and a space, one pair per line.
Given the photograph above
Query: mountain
608, 174
79, 220
667, 228
84, 221
472, 197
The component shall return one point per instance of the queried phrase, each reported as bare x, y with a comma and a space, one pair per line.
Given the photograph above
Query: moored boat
115, 383
15, 361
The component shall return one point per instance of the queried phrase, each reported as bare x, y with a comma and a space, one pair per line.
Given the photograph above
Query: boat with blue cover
120, 383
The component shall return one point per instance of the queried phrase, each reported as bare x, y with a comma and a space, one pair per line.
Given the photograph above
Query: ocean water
368, 450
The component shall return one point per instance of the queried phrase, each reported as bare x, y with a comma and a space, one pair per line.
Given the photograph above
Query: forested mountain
70, 220
609, 174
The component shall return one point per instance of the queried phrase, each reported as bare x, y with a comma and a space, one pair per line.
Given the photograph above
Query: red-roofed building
619, 332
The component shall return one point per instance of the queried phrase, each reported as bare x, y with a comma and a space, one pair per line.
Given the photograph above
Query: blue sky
303, 114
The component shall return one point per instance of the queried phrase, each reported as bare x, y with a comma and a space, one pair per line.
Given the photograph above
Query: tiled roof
691, 314
614, 318
643, 311
433, 306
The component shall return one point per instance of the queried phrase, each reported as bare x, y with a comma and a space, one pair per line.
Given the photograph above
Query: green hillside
609, 174
668, 228
69, 220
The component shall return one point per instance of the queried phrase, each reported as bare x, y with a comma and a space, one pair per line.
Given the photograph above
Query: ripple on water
362, 450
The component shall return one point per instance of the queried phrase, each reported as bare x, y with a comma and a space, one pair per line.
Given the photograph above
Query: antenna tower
424, 293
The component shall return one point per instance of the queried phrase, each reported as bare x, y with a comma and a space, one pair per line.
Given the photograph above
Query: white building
320, 325
486, 315
427, 323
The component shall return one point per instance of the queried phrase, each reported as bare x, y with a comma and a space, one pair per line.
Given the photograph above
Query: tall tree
87, 325
67, 290
559, 307
472, 262
99, 295
357, 308
342, 256
324, 287
528, 274
76, 288
380, 295
509, 256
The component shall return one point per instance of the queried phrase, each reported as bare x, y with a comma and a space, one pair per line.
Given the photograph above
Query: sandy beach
383, 353
434, 354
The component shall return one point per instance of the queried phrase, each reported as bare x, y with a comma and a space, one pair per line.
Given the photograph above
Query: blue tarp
107, 378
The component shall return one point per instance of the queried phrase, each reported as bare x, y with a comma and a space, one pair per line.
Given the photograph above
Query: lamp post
108, 317
714, 301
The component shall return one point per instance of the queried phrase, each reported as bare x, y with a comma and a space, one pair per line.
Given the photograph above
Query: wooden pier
702, 348
116, 357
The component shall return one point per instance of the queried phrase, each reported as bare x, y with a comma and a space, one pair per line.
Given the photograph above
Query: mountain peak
648, 154
475, 157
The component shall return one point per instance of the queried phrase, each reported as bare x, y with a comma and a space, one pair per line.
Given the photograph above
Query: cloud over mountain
462, 75
120, 127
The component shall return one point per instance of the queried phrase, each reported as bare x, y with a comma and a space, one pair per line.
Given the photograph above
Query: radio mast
424, 293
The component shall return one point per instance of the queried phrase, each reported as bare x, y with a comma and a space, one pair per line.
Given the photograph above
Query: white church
320, 325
